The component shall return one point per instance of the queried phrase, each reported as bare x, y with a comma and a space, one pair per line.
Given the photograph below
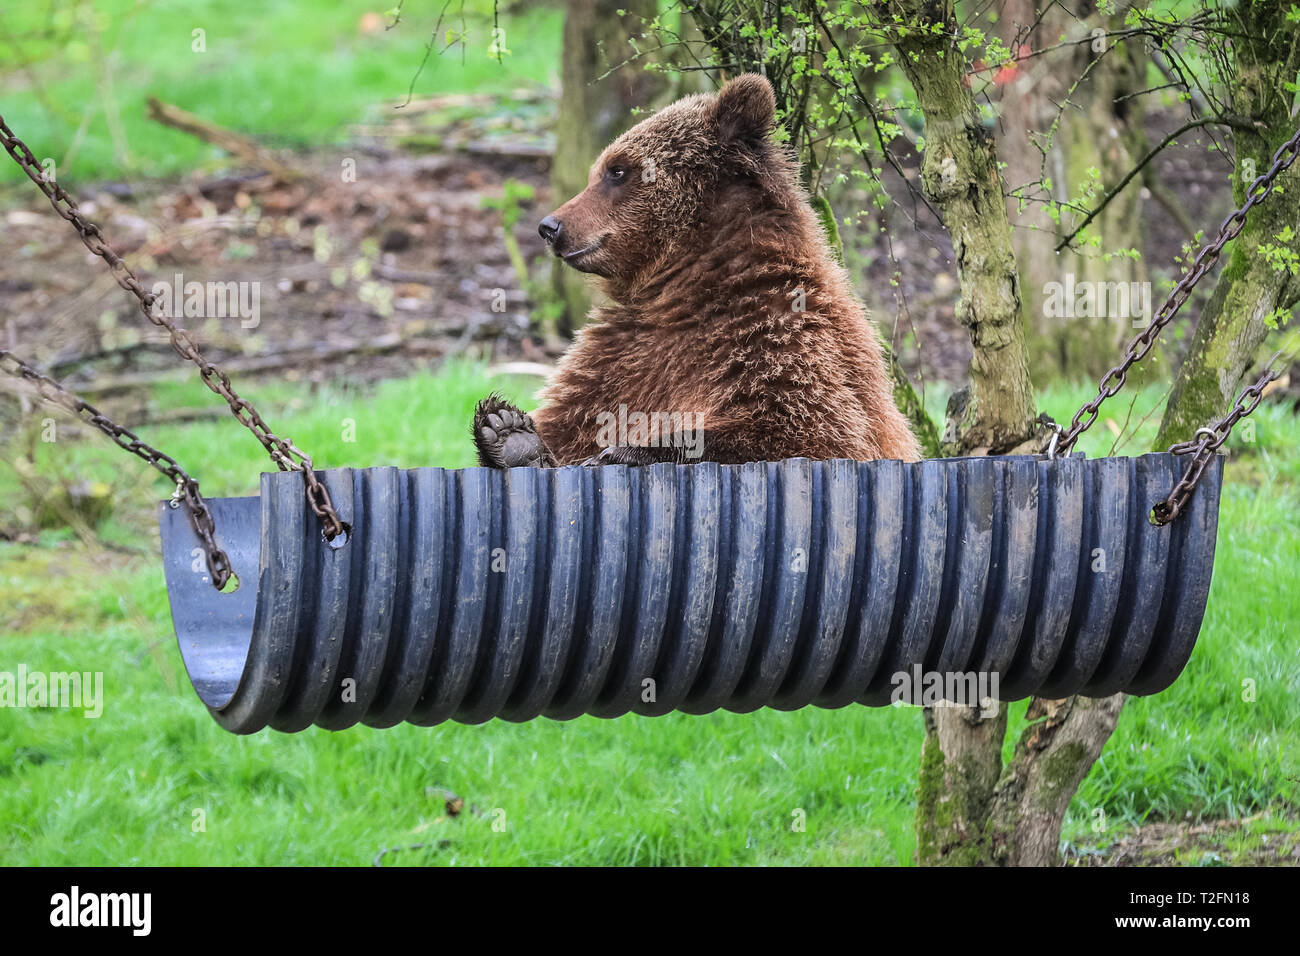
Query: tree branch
1235, 122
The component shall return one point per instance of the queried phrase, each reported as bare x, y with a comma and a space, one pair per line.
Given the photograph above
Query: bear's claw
506, 438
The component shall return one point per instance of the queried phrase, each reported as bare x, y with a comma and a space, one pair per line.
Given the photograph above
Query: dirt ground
391, 272
359, 279
1261, 840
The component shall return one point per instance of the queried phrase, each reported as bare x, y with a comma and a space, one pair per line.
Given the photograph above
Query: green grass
290, 72
721, 789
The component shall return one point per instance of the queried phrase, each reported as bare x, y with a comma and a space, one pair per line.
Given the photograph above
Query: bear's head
655, 185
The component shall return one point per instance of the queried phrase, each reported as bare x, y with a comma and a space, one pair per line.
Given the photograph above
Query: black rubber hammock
473, 594
465, 595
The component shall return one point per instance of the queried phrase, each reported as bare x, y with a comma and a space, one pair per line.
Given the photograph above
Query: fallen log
290, 358
236, 144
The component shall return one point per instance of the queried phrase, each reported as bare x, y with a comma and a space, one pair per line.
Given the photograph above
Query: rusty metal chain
1204, 446
186, 487
1113, 381
1207, 440
281, 451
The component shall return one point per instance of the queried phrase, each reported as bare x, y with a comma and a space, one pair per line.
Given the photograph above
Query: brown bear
733, 336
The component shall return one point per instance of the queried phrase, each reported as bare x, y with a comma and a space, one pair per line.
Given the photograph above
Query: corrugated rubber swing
473, 594
437, 595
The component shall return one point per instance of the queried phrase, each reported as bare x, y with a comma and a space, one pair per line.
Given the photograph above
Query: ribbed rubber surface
467, 595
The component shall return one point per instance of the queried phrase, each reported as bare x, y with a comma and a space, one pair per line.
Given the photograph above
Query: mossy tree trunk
961, 761
1058, 748
1251, 288
594, 109
959, 175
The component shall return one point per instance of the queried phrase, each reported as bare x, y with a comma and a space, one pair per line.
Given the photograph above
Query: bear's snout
571, 243
550, 229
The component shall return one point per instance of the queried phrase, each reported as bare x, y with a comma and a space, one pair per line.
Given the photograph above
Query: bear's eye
616, 174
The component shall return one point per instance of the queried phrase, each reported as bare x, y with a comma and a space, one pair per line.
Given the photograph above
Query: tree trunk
1080, 98
1054, 754
594, 109
959, 174
961, 761
1250, 289
1103, 130
1027, 109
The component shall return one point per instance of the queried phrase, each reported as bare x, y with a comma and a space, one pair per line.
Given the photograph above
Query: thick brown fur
707, 246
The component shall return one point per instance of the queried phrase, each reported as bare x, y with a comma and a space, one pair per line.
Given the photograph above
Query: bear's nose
550, 228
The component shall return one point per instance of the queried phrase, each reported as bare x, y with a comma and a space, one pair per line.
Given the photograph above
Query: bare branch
1141, 164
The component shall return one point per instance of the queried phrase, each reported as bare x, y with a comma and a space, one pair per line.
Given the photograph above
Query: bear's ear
746, 108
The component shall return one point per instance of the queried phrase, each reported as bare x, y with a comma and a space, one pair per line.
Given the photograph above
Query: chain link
280, 450
186, 487
1207, 441
1113, 381
1204, 446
